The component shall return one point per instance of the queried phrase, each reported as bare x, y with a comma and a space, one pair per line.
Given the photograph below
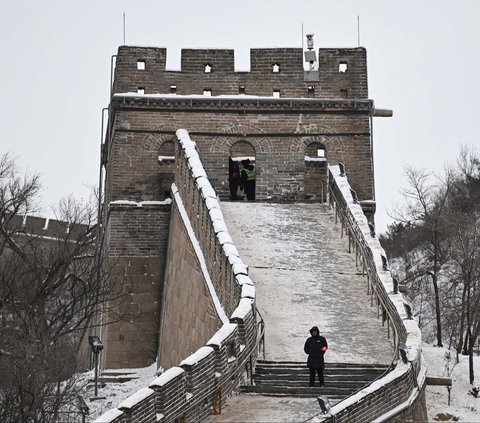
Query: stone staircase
291, 379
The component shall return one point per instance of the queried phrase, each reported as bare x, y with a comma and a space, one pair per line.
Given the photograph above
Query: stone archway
241, 158
315, 182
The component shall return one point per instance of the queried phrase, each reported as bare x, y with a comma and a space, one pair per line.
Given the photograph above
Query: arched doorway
242, 171
315, 171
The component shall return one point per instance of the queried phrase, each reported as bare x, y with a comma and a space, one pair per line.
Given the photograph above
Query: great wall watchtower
186, 288
278, 113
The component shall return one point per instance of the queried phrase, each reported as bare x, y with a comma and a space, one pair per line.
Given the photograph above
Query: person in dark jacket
248, 175
316, 346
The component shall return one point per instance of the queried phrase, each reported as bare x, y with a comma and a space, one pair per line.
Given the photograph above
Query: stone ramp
305, 276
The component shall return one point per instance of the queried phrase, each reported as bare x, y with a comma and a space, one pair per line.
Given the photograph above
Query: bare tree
425, 209
50, 289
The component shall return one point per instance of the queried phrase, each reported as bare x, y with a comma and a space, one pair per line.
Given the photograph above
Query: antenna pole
302, 36
123, 28
358, 30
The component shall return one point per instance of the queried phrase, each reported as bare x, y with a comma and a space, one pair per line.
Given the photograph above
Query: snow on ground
305, 276
258, 408
115, 393
462, 405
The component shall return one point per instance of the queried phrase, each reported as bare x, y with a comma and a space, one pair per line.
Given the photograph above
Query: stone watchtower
291, 122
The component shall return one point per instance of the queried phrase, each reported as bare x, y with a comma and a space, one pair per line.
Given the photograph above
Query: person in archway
233, 178
248, 175
316, 346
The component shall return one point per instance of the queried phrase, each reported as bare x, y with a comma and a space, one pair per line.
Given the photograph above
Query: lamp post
96, 346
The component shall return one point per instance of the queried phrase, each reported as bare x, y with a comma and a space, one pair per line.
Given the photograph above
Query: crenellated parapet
341, 73
46, 228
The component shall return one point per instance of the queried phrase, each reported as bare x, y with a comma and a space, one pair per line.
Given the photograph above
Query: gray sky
423, 63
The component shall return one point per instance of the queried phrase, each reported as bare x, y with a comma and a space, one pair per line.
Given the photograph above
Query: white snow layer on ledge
315, 159
166, 158
224, 238
197, 356
109, 416
141, 203
137, 397
243, 280
222, 334
167, 376
201, 96
198, 251
244, 307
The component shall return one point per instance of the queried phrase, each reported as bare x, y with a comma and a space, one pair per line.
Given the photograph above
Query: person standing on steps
316, 346
248, 179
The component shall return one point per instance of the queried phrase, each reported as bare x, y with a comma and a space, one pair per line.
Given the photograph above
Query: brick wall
278, 138
278, 130
188, 315
137, 239
290, 80
206, 378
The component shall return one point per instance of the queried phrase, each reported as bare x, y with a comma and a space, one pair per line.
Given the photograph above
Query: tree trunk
435, 287
471, 344
437, 311
462, 323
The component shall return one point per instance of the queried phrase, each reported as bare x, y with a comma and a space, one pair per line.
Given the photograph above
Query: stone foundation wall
137, 238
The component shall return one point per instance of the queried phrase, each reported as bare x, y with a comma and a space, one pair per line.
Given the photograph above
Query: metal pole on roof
358, 30
123, 28
302, 37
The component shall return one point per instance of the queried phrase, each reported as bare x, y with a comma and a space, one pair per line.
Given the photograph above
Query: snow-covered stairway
304, 277
292, 379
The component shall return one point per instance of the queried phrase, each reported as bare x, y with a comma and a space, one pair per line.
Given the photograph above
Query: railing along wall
395, 395
201, 383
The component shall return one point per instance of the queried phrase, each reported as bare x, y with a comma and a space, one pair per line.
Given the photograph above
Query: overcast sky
423, 62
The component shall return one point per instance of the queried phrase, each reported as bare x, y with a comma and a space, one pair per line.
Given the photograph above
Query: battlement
43, 227
276, 72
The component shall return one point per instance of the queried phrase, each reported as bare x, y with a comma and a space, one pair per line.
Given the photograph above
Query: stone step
305, 376
367, 373
299, 392
266, 363
304, 382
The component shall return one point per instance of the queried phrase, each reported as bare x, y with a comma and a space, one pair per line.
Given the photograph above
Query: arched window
315, 151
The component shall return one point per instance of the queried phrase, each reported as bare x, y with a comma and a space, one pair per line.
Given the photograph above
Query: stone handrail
201, 383
397, 393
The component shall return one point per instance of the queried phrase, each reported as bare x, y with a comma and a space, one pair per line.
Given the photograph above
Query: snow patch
109, 416
222, 334
167, 376
244, 307
137, 397
200, 354
165, 202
